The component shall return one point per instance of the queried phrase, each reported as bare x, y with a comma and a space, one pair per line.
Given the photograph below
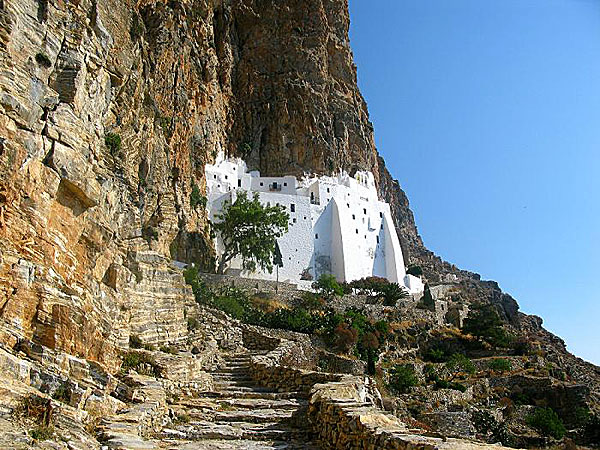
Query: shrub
345, 338
415, 270
546, 421
43, 60
42, 432
483, 321
500, 365
113, 142
392, 293
459, 363
328, 287
196, 197
435, 354
140, 362
192, 324
427, 301
402, 378
135, 341
312, 302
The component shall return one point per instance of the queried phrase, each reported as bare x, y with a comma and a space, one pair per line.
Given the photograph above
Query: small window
261, 183
353, 217
365, 236
215, 177
239, 183
357, 231
277, 204
365, 210
226, 177
328, 190
269, 204
304, 217
219, 186
316, 236
380, 214
294, 220
377, 239
348, 205
285, 184
382, 226
292, 207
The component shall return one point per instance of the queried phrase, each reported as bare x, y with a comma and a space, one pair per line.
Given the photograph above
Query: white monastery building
337, 224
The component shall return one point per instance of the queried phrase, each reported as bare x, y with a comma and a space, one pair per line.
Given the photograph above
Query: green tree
459, 363
402, 378
328, 287
546, 421
393, 292
250, 230
484, 322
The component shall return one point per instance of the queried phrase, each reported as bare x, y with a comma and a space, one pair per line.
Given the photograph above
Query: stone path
238, 415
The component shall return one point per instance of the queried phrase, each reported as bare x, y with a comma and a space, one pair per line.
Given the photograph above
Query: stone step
233, 377
253, 395
260, 403
254, 416
238, 445
199, 430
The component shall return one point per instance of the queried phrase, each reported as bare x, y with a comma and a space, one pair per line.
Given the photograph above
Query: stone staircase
239, 415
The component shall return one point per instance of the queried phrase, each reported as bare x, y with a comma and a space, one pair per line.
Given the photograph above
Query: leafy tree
500, 365
113, 142
393, 292
484, 322
546, 421
402, 378
328, 287
250, 230
459, 363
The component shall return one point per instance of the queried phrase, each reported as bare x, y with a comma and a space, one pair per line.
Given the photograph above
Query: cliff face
175, 82
88, 224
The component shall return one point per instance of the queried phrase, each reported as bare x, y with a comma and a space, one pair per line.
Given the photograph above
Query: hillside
109, 111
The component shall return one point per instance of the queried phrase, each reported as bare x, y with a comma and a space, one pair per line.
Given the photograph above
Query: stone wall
342, 409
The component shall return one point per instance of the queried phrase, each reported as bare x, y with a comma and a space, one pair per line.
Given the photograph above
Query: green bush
140, 362
459, 364
113, 142
435, 354
192, 324
546, 421
402, 378
484, 322
196, 197
42, 432
500, 365
328, 287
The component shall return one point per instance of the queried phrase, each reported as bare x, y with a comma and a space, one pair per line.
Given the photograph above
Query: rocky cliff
109, 111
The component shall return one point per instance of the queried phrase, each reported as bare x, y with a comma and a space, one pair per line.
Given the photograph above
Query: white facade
337, 224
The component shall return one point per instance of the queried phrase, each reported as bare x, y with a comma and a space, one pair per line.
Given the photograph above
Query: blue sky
488, 113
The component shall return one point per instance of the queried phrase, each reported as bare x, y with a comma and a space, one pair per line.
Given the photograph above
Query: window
226, 177
328, 190
348, 205
380, 214
275, 185
261, 183
316, 236
378, 239
292, 207
294, 220
365, 236
365, 210
382, 226
239, 183
215, 177
285, 184
304, 217
357, 231
353, 217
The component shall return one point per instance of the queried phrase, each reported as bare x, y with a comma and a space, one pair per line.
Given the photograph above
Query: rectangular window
365, 210
292, 207
239, 183
328, 190
378, 239
353, 217
380, 214
226, 177
348, 205
316, 236
285, 184
357, 231
294, 220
